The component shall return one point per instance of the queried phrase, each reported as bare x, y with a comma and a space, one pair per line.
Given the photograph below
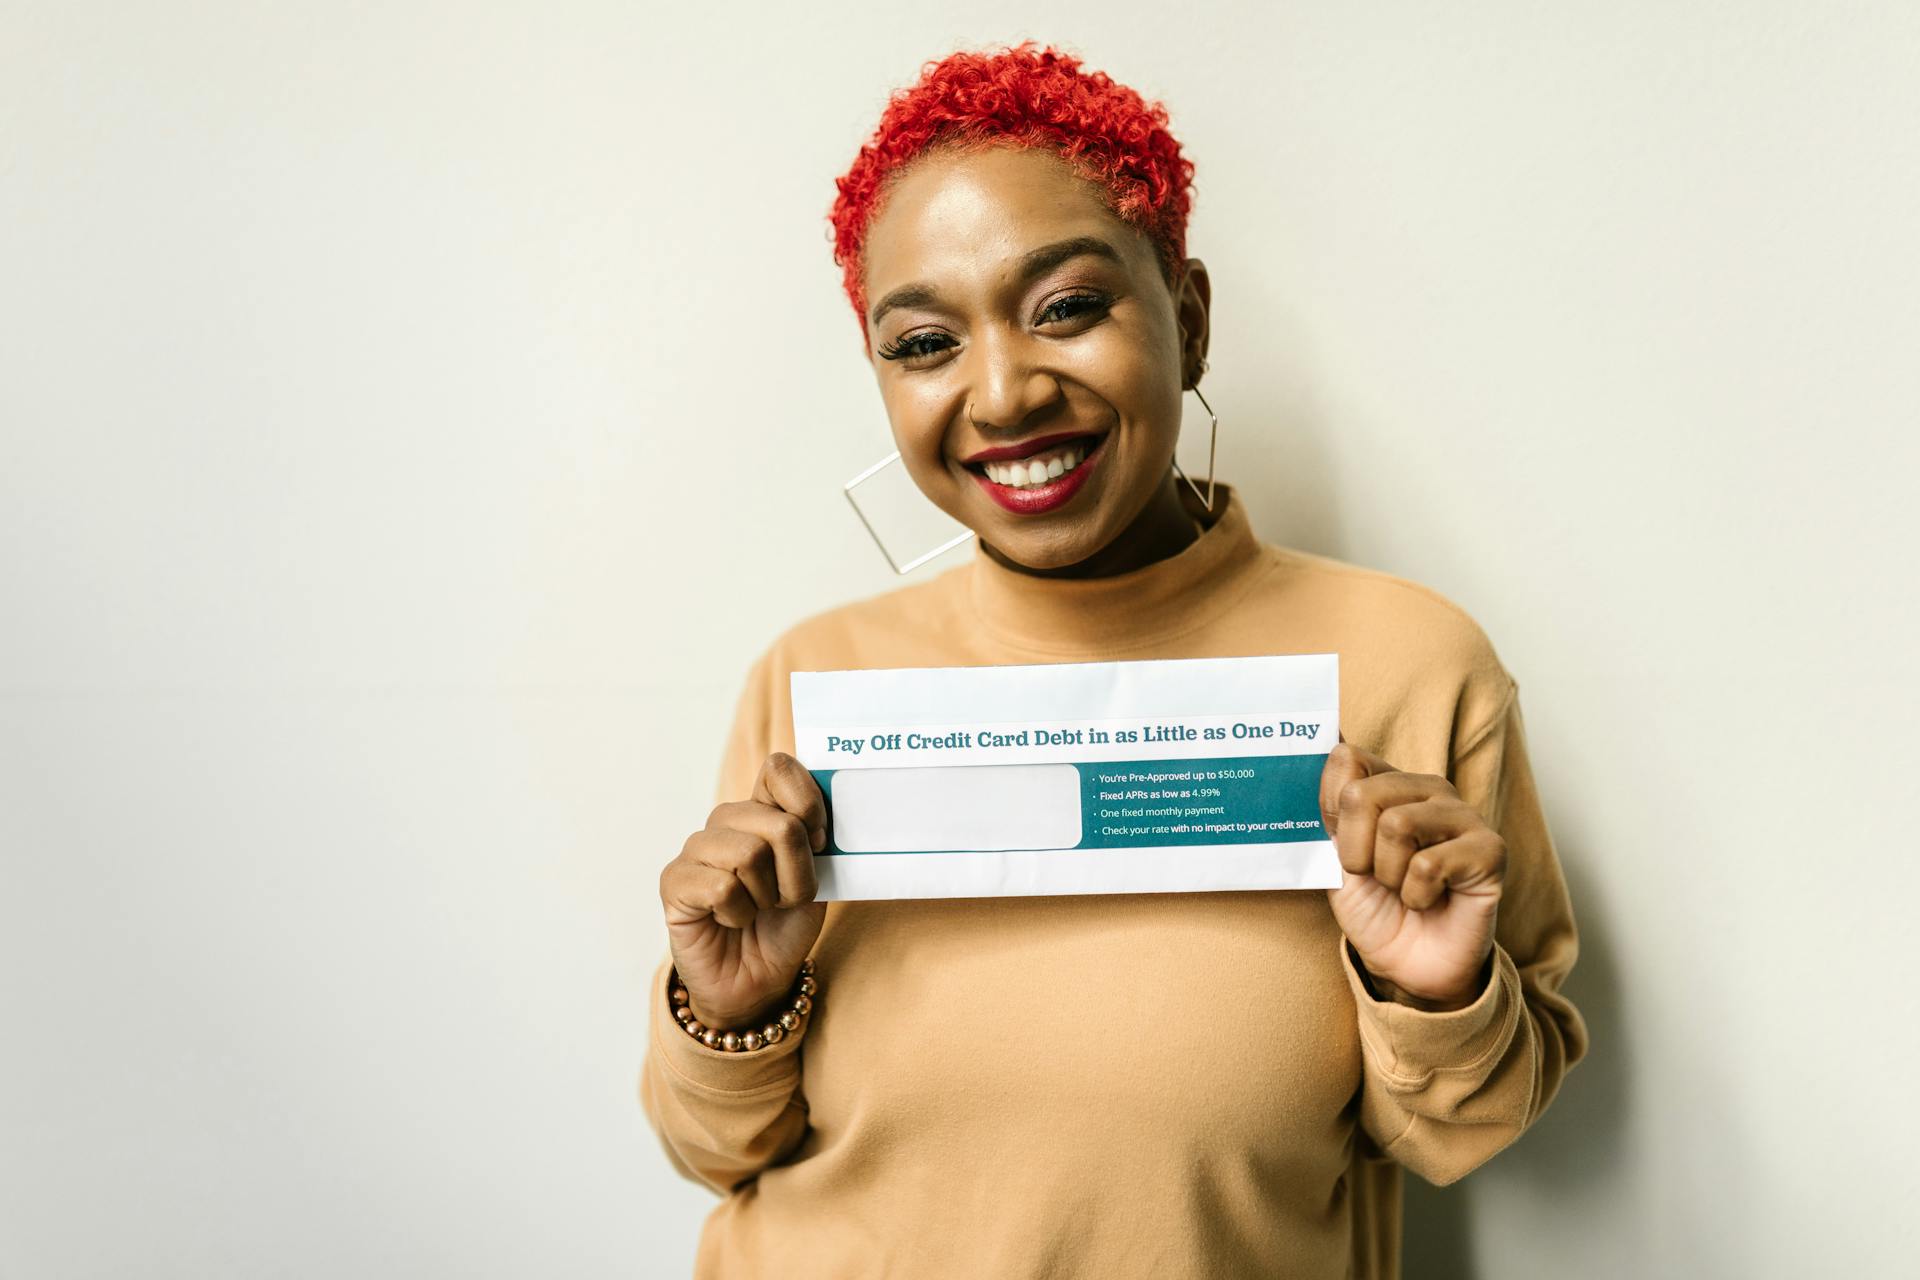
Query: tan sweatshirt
1125, 1085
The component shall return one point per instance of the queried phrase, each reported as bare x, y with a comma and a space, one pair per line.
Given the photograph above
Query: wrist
758, 1028
1425, 1004
735, 1019
1387, 990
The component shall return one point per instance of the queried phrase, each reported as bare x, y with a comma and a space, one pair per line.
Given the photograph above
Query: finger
785, 783
1405, 829
1425, 884
744, 854
1361, 804
692, 891
1472, 863
789, 838
1345, 764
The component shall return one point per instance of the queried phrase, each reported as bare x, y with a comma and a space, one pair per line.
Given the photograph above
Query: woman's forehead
958, 215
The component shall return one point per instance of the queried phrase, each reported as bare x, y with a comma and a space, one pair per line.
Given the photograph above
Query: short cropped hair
1022, 97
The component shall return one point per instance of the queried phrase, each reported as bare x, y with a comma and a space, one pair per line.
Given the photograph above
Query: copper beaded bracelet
774, 1032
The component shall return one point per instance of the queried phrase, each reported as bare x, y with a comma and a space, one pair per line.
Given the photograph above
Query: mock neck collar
1140, 607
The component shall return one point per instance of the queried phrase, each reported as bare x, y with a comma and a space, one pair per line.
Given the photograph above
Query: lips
1039, 475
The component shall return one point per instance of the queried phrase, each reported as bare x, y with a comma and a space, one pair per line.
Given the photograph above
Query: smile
1042, 467
1029, 480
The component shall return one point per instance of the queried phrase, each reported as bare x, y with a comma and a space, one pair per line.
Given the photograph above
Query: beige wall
412, 419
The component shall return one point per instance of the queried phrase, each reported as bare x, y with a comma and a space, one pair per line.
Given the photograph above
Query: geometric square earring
918, 560
1213, 444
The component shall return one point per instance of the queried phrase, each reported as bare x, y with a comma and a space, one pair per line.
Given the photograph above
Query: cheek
1130, 365
929, 475
1147, 403
919, 435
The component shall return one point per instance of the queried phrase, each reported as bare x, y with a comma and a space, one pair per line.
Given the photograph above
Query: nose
1009, 383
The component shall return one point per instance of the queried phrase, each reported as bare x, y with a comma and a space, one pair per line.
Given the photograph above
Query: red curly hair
1022, 97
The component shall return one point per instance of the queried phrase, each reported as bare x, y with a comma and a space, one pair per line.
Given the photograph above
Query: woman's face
1030, 354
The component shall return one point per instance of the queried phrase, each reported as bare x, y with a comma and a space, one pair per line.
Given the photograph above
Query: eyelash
904, 348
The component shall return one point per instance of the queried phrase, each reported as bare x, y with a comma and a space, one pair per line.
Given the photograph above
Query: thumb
1345, 763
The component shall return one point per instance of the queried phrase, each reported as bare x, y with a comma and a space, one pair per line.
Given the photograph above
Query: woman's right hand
739, 898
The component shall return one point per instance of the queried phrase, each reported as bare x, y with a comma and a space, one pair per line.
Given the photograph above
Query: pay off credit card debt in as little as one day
1184, 775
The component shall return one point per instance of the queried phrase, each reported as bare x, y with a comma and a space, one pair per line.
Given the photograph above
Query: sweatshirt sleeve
723, 1117
1443, 1092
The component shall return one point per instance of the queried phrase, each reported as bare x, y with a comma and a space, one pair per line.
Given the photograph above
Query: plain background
413, 418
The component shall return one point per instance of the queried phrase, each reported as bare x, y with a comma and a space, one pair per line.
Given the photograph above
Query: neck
1163, 528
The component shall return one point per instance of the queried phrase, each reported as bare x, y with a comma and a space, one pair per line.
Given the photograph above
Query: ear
1192, 299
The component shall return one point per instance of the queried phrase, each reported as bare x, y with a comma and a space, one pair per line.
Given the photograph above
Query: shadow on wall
1281, 466
1575, 1144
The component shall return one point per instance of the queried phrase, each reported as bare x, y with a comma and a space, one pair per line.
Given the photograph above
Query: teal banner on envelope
1129, 804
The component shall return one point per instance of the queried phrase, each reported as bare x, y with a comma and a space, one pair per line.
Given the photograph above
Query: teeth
1039, 469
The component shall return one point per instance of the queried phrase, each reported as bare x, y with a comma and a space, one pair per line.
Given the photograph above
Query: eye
918, 346
1075, 304
912, 345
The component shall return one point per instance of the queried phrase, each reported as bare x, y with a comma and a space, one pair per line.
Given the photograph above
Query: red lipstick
1026, 448
1038, 499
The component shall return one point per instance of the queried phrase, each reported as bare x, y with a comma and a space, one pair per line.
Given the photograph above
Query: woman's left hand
1422, 875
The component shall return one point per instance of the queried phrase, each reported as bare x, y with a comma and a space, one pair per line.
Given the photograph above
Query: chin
1040, 549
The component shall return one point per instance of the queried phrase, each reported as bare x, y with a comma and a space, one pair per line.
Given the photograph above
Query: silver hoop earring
1213, 442
867, 524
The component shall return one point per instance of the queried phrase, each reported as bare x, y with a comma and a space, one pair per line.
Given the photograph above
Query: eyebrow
1035, 263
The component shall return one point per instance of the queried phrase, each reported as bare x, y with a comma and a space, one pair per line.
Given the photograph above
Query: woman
1112, 1085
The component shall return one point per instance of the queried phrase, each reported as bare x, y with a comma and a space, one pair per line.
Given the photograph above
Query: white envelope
1180, 775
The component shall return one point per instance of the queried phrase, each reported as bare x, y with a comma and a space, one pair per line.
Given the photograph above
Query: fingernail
819, 839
